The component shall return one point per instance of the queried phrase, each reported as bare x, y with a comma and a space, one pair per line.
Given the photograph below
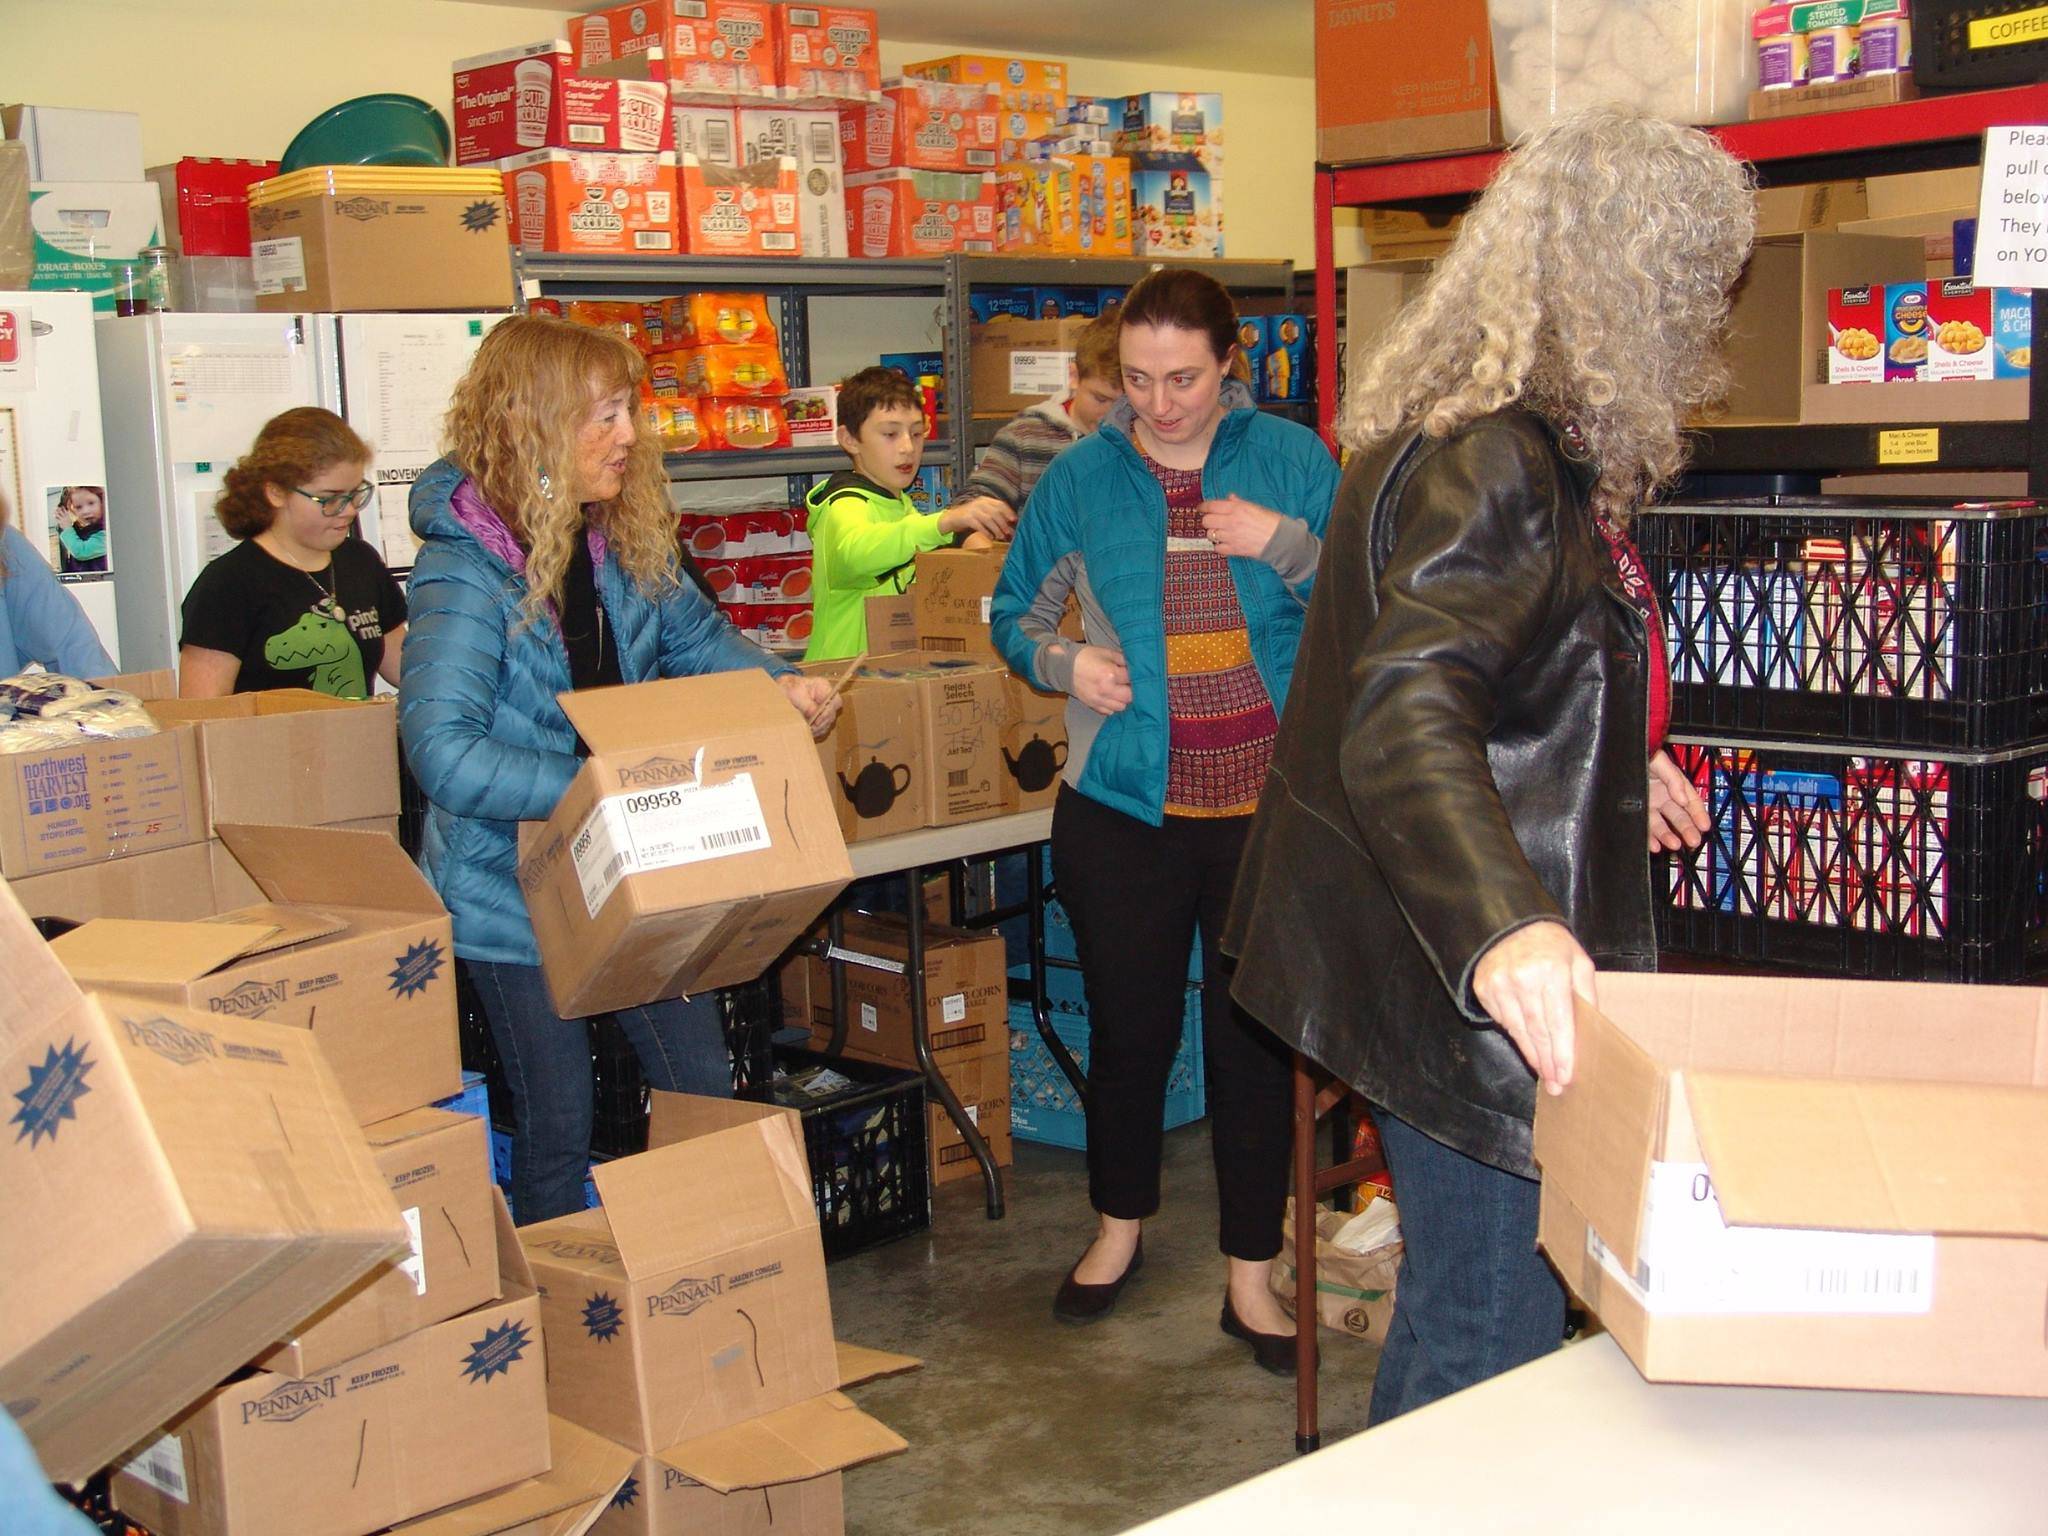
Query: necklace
328, 605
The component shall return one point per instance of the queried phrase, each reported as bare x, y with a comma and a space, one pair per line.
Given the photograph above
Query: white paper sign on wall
2012, 212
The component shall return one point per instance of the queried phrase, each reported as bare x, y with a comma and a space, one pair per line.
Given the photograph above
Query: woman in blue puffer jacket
548, 562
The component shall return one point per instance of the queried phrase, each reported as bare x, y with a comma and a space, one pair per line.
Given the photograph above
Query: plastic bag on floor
1354, 1290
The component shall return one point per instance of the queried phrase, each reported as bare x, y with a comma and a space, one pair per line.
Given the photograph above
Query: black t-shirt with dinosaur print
277, 619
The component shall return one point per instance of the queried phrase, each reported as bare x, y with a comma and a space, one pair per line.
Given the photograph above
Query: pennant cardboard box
1807, 1183
182, 1190
438, 1166
352, 944
697, 841
450, 1412
966, 994
585, 1474
292, 757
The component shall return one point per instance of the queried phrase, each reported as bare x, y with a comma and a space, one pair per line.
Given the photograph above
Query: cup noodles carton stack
748, 210
922, 125
709, 133
920, 213
827, 53
812, 139
565, 200
522, 99
1020, 85
718, 50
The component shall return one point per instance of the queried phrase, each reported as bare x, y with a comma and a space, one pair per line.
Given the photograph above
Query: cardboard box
1019, 85
694, 1299
438, 1167
452, 1411
712, 134
1018, 130
585, 1474
566, 200
246, 1200
922, 125
1814, 205
663, 1500
717, 51
953, 591
1034, 746
1893, 1127
892, 623
1393, 83
1067, 205
78, 805
947, 711
982, 1084
73, 144
83, 230
828, 53
433, 250
812, 140
873, 754
351, 943
206, 204
1891, 197
966, 994
517, 100
1170, 123
173, 884
234, 887
1013, 364
292, 756
697, 841
1176, 207
919, 213
747, 211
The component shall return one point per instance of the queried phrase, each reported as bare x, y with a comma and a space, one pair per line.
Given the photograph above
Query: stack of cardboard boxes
91, 212
1174, 140
919, 169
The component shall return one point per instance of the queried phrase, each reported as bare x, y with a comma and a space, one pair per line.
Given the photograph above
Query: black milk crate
1947, 57
866, 1144
1855, 862
1905, 621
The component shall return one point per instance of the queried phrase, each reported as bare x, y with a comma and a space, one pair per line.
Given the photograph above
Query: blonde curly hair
1590, 284
512, 428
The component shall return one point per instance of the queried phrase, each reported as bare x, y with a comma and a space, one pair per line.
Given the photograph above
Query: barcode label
985, 604
800, 16
416, 1264
652, 240
869, 1020
162, 1466
771, 240
1692, 1261
957, 779
696, 10
586, 133
824, 143
718, 140
953, 1008
661, 828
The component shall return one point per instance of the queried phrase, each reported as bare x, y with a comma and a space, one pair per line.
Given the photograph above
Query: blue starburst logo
628, 1494
416, 969
602, 1318
53, 1092
479, 217
497, 1351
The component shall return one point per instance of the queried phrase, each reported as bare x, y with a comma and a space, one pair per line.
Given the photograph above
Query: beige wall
240, 77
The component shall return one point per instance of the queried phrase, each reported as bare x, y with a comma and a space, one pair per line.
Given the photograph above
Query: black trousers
1137, 895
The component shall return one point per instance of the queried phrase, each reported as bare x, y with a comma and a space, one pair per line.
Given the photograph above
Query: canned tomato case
522, 99
1856, 335
1959, 328
564, 200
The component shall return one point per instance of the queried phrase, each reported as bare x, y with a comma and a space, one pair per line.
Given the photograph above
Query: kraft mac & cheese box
1905, 331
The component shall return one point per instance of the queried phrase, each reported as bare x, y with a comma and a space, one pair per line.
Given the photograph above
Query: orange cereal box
919, 213
923, 125
748, 210
828, 53
565, 200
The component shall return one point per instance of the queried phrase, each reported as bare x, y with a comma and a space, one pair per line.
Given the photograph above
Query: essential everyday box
966, 994
82, 804
82, 230
919, 213
1014, 364
745, 210
1856, 334
1959, 330
1034, 745
350, 942
1807, 1183
447, 1413
1398, 81
828, 53
698, 840
182, 1189
602, 203
291, 756
922, 125
812, 140
516, 100
350, 251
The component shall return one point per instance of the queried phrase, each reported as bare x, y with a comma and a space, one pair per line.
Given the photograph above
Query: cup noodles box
712, 134
521, 99
748, 210
1171, 122
717, 50
1807, 1183
1905, 331
920, 213
567, 200
1959, 326
2012, 332
696, 842
812, 138
924, 125
1176, 208
1019, 85
1856, 335
827, 53
183, 1188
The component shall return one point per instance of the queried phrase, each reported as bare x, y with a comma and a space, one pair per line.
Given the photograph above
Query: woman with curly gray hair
1451, 841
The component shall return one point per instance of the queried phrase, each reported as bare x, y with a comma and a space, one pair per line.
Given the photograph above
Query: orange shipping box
1066, 205
1394, 81
717, 50
966, 994
350, 942
609, 204
922, 125
748, 210
182, 1190
291, 756
919, 213
80, 804
1020, 85
455, 1410
828, 53
1034, 746
1807, 1183
697, 841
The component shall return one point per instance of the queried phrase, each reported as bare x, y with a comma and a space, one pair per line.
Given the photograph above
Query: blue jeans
680, 1043
1474, 1298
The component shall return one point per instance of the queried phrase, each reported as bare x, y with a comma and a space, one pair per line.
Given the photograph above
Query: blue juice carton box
1905, 332
2012, 332
1059, 303
1251, 345
1286, 372
1107, 299
986, 303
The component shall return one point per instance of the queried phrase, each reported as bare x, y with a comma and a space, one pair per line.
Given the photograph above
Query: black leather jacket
1463, 753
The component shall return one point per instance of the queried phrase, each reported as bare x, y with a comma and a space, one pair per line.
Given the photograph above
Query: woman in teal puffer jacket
547, 562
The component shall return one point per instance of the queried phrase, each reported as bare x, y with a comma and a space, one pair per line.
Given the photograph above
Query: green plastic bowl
371, 130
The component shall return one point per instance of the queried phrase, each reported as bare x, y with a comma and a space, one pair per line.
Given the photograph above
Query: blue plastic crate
501, 1173
473, 1100
1042, 1103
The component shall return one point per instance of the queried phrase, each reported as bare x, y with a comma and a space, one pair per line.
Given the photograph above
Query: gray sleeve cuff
1292, 551
1055, 662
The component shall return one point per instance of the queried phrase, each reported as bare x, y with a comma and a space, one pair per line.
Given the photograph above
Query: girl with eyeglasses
298, 603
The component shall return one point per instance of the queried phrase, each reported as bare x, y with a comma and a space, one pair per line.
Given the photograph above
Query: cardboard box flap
411, 1125
857, 1363
328, 865
711, 1194
34, 986
291, 925
1873, 1156
110, 950
1597, 1138
585, 1471
659, 714
805, 1440
514, 1268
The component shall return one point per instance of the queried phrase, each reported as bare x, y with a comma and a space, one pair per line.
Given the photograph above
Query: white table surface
936, 845
1579, 1442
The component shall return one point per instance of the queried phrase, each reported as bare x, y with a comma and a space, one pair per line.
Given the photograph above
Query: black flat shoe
1273, 1351
1078, 1303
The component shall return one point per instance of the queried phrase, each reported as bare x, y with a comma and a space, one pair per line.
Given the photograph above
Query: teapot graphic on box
1034, 767
875, 788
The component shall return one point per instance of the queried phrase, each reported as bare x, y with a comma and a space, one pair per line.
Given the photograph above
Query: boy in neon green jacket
865, 533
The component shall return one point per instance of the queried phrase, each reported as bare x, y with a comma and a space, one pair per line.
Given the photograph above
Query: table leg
835, 929
920, 1034
1041, 1010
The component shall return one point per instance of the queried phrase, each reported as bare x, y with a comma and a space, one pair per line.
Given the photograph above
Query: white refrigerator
187, 394
53, 467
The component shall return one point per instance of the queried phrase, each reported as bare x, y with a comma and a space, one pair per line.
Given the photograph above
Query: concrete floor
1020, 1425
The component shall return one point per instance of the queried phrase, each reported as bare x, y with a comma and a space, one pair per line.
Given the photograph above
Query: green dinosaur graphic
327, 647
